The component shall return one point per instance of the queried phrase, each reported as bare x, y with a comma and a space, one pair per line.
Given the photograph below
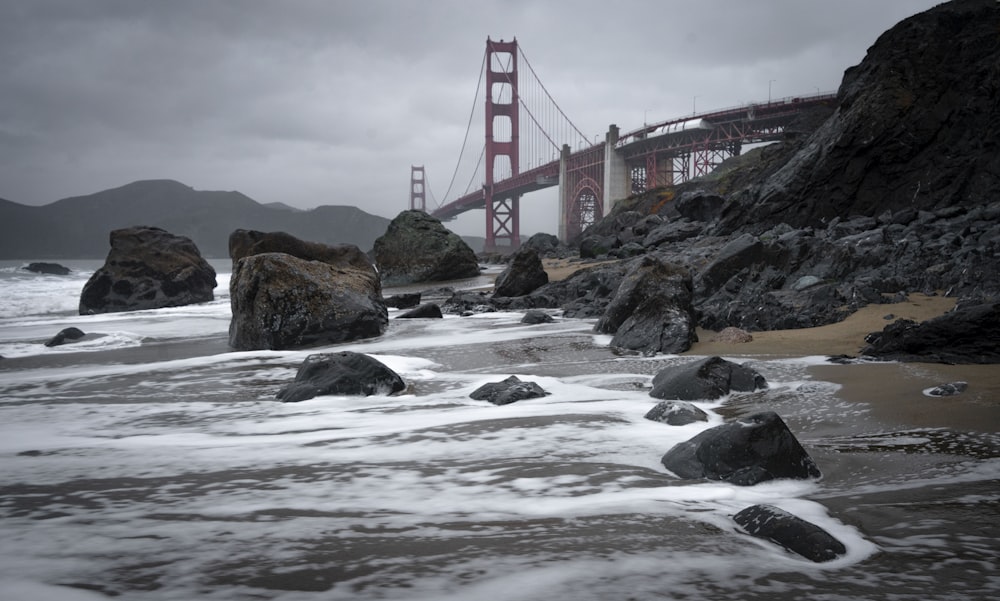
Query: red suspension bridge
531, 144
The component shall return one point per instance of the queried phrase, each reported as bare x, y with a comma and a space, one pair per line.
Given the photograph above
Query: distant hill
78, 227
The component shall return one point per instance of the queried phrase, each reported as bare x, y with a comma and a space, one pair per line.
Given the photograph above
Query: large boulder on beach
522, 276
706, 379
417, 248
282, 301
747, 451
148, 268
343, 373
967, 334
791, 532
651, 310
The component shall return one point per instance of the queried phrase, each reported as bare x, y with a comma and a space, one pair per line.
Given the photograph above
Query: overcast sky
331, 101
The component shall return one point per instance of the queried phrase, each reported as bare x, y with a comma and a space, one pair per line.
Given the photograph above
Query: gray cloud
330, 102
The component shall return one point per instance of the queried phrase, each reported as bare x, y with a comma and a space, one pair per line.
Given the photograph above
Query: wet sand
893, 390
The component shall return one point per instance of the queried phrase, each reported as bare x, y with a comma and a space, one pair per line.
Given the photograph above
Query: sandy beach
894, 390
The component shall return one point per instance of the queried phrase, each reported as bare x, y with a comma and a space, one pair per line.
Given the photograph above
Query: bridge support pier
616, 175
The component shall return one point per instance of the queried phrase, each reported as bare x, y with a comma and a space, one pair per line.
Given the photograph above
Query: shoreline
893, 391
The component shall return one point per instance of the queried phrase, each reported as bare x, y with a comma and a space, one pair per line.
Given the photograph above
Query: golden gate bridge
531, 144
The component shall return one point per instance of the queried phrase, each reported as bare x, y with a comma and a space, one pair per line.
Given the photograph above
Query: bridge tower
502, 214
418, 200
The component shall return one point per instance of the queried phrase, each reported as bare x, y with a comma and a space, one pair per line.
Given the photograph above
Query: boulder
750, 450
534, 316
676, 413
245, 243
523, 275
148, 268
544, 244
426, 310
651, 310
967, 334
66, 335
403, 301
281, 301
345, 373
507, 391
949, 389
417, 248
791, 532
47, 268
706, 379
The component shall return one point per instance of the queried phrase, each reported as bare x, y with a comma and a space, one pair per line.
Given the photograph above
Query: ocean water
153, 463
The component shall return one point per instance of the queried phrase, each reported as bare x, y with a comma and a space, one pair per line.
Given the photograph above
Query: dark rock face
66, 335
791, 532
47, 268
426, 310
345, 373
148, 268
280, 301
651, 311
676, 413
524, 274
417, 248
921, 102
705, 379
967, 334
508, 391
753, 449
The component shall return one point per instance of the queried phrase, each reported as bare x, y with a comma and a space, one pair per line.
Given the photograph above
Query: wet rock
676, 413
148, 268
594, 246
426, 310
418, 248
344, 373
750, 450
967, 334
65, 336
651, 311
546, 245
281, 301
403, 301
47, 268
535, 316
705, 379
791, 532
508, 391
949, 389
522, 276
245, 243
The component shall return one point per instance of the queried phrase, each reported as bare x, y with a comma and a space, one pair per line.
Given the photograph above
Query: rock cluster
148, 268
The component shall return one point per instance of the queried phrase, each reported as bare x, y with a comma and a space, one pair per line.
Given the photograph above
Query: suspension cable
544, 89
468, 127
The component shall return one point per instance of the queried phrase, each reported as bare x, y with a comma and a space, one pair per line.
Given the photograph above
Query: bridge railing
724, 113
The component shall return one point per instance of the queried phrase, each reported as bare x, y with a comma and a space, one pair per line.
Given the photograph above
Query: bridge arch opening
585, 210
